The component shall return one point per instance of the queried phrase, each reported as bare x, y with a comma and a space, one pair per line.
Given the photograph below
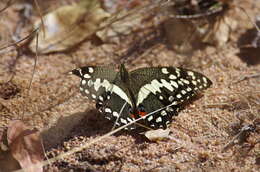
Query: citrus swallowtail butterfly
125, 96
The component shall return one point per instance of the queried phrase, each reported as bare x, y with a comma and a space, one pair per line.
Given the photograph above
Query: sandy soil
198, 135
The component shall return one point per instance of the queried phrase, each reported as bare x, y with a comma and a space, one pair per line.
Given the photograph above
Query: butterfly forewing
95, 81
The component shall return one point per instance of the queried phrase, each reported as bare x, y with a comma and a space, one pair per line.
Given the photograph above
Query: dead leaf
181, 35
3, 140
25, 145
68, 25
189, 30
157, 135
114, 6
7, 161
220, 33
121, 27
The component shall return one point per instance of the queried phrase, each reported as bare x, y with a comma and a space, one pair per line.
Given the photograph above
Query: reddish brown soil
198, 135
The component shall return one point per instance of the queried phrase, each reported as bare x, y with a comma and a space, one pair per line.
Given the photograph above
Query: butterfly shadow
249, 46
88, 123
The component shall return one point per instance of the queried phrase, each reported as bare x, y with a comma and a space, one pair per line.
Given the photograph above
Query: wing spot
90, 70
90, 83
178, 96
123, 121
101, 98
174, 84
190, 73
178, 73
86, 91
172, 77
115, 114
83, 82
180, 82
194, 82
108, 110
174, 103
171, 98
156, 84
81, 89
163, 113
87, 76
93, 96
167, 85
183, 92
186, 81
189, 89
80, 71
165, 71
161, 97
169, 109
150, 118
97, 84
205, 79
108, 117
159, 119
129, 119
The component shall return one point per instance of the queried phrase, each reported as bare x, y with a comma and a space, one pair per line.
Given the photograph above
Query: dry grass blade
245, 77
8, 4
250, 19
21, 40
241, 136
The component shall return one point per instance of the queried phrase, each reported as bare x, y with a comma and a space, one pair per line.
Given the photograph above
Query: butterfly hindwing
116, 109
159, 117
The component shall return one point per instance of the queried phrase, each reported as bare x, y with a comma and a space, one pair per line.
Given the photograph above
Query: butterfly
124, 96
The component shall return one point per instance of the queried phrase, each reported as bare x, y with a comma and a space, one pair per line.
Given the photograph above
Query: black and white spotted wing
95, 81
165, 88
103, 85
124, 96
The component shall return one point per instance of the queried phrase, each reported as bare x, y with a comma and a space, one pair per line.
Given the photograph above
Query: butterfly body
125, 96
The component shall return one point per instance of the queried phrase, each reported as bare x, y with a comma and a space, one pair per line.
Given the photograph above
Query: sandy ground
198, 135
